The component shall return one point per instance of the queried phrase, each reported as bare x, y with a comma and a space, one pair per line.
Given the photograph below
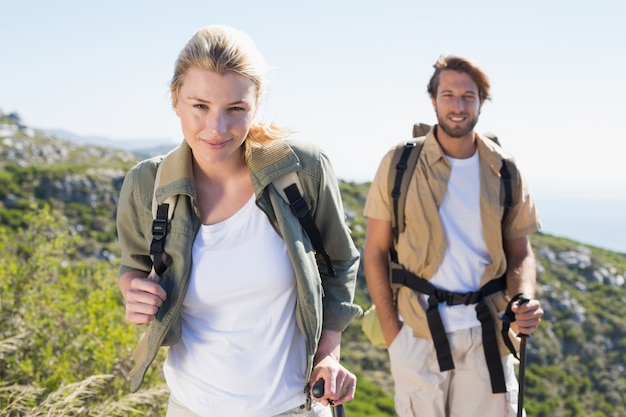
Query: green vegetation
65, 345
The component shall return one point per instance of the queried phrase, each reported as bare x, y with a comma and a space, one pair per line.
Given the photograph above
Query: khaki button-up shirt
422, 246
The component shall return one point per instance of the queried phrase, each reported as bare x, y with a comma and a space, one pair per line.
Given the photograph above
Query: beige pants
176, 409
423, 390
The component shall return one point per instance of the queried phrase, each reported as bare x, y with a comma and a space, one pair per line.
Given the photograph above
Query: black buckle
473, 297
455, 298
159, 228
296, 201
300, 207
401, 166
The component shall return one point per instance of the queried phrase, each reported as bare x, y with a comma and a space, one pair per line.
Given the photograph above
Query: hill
64, 344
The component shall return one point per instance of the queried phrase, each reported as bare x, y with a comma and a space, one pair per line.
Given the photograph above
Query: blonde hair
223, 49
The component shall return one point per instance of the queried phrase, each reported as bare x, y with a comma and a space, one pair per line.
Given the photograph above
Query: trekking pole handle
318, 388
318, 391
523, 299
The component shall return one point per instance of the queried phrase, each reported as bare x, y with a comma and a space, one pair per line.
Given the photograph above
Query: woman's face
216, 112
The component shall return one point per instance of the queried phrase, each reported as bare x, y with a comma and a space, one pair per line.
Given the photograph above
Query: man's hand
527, 316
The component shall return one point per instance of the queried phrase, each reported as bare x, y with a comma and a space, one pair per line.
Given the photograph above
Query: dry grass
80, 399
11, 344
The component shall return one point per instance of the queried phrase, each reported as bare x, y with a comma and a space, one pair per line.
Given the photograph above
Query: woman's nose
217, 122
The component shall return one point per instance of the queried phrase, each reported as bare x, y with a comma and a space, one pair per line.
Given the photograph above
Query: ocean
597, 219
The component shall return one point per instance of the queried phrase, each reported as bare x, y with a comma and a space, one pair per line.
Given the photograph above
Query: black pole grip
523, 299
318, 388
318, 392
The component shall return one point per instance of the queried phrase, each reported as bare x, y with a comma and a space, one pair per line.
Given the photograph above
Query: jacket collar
175, 174
269, 162
488, 151
491, 153
266, 163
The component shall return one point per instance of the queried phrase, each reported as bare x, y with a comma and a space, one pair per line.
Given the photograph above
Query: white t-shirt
466, 255
241, 353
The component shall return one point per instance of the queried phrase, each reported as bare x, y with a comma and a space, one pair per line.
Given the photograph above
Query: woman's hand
339, 383
143, 296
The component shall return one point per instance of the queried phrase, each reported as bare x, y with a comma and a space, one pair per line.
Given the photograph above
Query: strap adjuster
299, 207
454, 298
159, 228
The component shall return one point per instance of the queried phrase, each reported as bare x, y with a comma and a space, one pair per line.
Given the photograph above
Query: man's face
457, 103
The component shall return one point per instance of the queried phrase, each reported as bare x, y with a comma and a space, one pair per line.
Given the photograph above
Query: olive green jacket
323, 301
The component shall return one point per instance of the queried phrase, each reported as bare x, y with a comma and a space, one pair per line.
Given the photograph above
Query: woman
251, 316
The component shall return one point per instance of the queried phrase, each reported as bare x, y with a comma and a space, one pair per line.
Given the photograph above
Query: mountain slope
63, 319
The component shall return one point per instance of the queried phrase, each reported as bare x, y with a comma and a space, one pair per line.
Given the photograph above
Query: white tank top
241, 353
466, 255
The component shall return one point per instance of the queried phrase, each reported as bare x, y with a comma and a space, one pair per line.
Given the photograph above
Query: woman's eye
200, 106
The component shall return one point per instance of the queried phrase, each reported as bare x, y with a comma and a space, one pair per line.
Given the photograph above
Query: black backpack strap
401, 276
440, 339
404, 160
161, 214
490, 341
159, 231
505, 176
301, 210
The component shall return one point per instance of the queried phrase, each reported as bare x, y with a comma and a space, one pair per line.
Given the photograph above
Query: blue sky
350, 76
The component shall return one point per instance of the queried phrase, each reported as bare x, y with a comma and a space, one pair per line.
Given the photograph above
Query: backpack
405, 160
288, 186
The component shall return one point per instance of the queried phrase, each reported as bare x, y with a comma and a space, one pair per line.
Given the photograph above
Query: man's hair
464, 65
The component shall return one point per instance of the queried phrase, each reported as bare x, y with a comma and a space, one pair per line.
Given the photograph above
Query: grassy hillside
65, 348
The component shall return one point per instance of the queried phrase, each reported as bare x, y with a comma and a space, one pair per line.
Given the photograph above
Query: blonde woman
250, 311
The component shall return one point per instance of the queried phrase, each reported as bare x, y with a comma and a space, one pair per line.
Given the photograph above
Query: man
456, 240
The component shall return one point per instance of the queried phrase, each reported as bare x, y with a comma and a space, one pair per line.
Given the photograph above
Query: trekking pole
522, 365
318, 391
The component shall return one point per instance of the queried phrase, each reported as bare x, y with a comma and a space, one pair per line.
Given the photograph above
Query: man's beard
457, 131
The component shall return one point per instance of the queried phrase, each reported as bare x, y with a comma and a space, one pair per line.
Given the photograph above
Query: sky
348, 75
